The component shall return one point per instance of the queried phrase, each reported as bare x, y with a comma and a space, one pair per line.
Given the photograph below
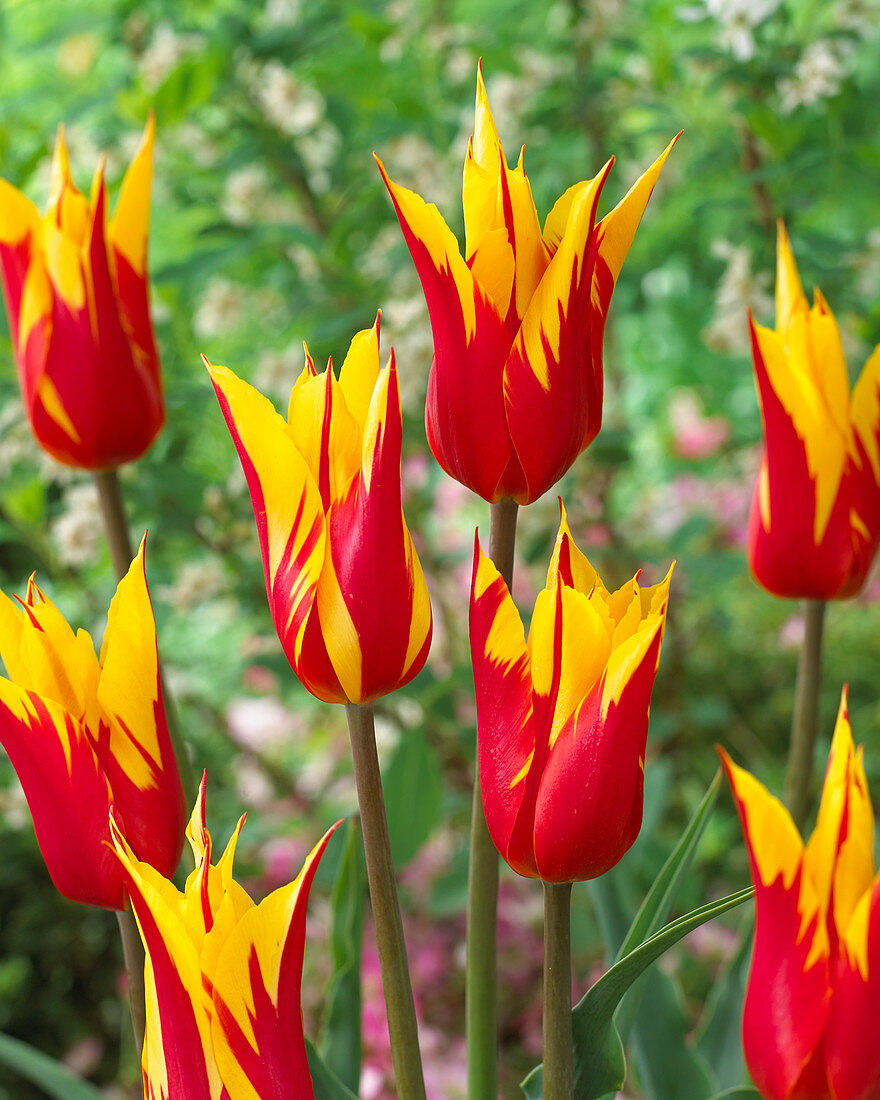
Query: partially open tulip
223, 976
345, 586
77, 302
815, 521
814, 986
84, 731
515, 390
562, 718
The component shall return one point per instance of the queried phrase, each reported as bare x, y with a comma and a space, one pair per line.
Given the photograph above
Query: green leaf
325, 1083
44, 1072
719, 1032
667, 1065
743, 1092
599, 1063
341, 1039
413, 787
660, 898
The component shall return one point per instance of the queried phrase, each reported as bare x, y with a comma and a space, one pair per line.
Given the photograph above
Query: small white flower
819, 73
220, 308
289, 104
739, 290
78, 531
165, 51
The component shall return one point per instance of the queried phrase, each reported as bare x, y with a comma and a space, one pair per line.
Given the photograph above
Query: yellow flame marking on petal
50, 399
778, 850
36, 299
865, 410
130, 224
524, 770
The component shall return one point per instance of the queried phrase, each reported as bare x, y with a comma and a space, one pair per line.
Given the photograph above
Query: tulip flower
562, 719
814, 984
345, 586
223, 976
515, 390
815, 520
84, 731
77, 302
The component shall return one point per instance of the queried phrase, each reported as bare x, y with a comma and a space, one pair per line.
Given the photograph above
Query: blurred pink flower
695, 435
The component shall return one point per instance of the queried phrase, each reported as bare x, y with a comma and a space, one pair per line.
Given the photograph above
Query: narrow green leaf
52, 1077
667, 1065
599, 1064
413, 786
660, 898
341, 1038
743, 1092
325, 1083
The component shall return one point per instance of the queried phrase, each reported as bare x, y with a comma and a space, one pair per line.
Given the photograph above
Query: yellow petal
130, 225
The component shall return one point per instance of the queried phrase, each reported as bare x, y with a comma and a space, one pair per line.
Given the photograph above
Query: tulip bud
345, 587
515, 390
815, 520
562, 719
77, 301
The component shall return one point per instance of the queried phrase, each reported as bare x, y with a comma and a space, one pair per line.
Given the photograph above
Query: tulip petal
505, 719
178, 1061
796, 502
257, 1026
372, 597
471, 342
839, 856
360, 370
130, 225
133, 744
594, 772
851, 1055
67, 793
552, 393
788, 990
290, 523
129, 229
19, 229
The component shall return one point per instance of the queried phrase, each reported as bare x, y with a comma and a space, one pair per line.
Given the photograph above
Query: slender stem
396, 985
805, 720
121, 554
558, 1068
115, 521
481, 999
133, 954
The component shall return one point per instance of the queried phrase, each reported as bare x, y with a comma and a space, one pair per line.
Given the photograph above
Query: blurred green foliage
270, 226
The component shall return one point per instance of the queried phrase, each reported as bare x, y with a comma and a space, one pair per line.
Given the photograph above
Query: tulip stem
133, 954
399, 1004
805, 720
558, 1065
481, 997
121, 554
115, 521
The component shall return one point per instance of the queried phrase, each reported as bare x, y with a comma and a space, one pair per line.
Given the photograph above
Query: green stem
805, 720
133, 954
558, 1068
121, 554
396, 986
481, 998
115, 521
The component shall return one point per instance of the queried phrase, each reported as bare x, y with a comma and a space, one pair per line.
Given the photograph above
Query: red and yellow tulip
345, 586
814, 985
515, 390
84, 731
562, 718
815, 521
223, 976
77, 301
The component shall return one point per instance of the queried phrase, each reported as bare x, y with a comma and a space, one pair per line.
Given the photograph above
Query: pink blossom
695, 435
